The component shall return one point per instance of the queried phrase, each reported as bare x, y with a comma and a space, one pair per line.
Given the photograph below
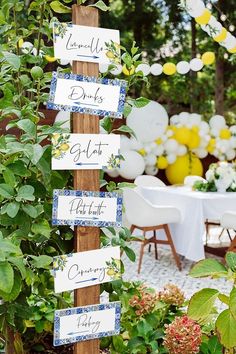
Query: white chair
145, 216
190, 180
148, 181
228, 221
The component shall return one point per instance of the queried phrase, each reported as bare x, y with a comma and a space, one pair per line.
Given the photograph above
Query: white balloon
135, 144
195, 118
156, 69
214, 27
174, 119
112, 173
150, 159
27, 47
201, 153
183, 67
117, 70
232, 142
144, 68
171, 145
184, 118
233, 129
171, 158
148, 122
224, 146
103, 67
230, 154
195, 7
151, 170
182, 150
63, 116
229, 42
217, 122
133, 165
204, 126
159, 150
169, 133
196, 64
124, 143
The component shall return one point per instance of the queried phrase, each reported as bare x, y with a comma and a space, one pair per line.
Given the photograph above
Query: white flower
210, 176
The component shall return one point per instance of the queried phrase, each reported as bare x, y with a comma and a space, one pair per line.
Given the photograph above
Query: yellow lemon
128, 71
20, 42
204, 18
110, 272
64, 147
142, 152
169, 68
225, 134
50, 59
233, 50
110, 55
208, 58
158, 141
57, 153
222, 36
162, 162
185, 165
182, 135
194, 140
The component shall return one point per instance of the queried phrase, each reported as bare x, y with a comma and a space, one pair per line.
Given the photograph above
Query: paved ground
157, 273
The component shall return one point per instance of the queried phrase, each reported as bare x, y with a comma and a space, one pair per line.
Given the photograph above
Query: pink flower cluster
183, 336
145, 302
171, 295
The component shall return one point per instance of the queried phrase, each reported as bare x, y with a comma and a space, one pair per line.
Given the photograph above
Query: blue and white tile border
93, 79
79, 310
78, 193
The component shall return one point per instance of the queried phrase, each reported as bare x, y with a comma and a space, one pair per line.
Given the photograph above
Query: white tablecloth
195, 208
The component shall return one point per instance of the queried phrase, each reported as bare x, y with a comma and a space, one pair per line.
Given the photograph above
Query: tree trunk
9, 349
219, 86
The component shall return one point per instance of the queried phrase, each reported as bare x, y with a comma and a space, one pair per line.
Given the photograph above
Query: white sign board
86, 208
82, 43
85, 323
85, 151
79, 270
87, 95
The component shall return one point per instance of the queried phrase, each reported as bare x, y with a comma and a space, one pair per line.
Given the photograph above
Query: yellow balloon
20, 42
204, 18
211, 145
222, 36
182, 135
184, 166
225, 134
194, 140
169, 68
162, 162
195, 128
50, 59
142, 152
233, 50
158, 141
208, 58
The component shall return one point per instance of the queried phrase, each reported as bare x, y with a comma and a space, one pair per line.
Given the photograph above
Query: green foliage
202, 304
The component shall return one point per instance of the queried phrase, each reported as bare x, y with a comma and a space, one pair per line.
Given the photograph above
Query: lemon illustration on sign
36, 72
50, 59
64, 147
55, 138
111, 272
117, 262
57, 153
110, 55
128, 71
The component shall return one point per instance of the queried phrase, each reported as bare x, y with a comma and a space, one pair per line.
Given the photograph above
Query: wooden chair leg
155, 244
169, 238
141, 253
232, 247
132, 228
149, 247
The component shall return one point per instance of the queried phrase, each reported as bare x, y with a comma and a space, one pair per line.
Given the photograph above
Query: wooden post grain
86, 238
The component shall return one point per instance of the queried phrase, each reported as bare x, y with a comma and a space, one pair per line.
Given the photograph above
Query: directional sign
82, 43
85, 323
85, 94
85, 208
85, 151
79, 270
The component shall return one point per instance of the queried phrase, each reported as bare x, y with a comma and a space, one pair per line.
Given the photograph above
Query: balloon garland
177, 147
183, 67
209, 24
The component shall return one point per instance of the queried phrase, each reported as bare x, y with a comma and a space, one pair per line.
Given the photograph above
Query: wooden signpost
86, 238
